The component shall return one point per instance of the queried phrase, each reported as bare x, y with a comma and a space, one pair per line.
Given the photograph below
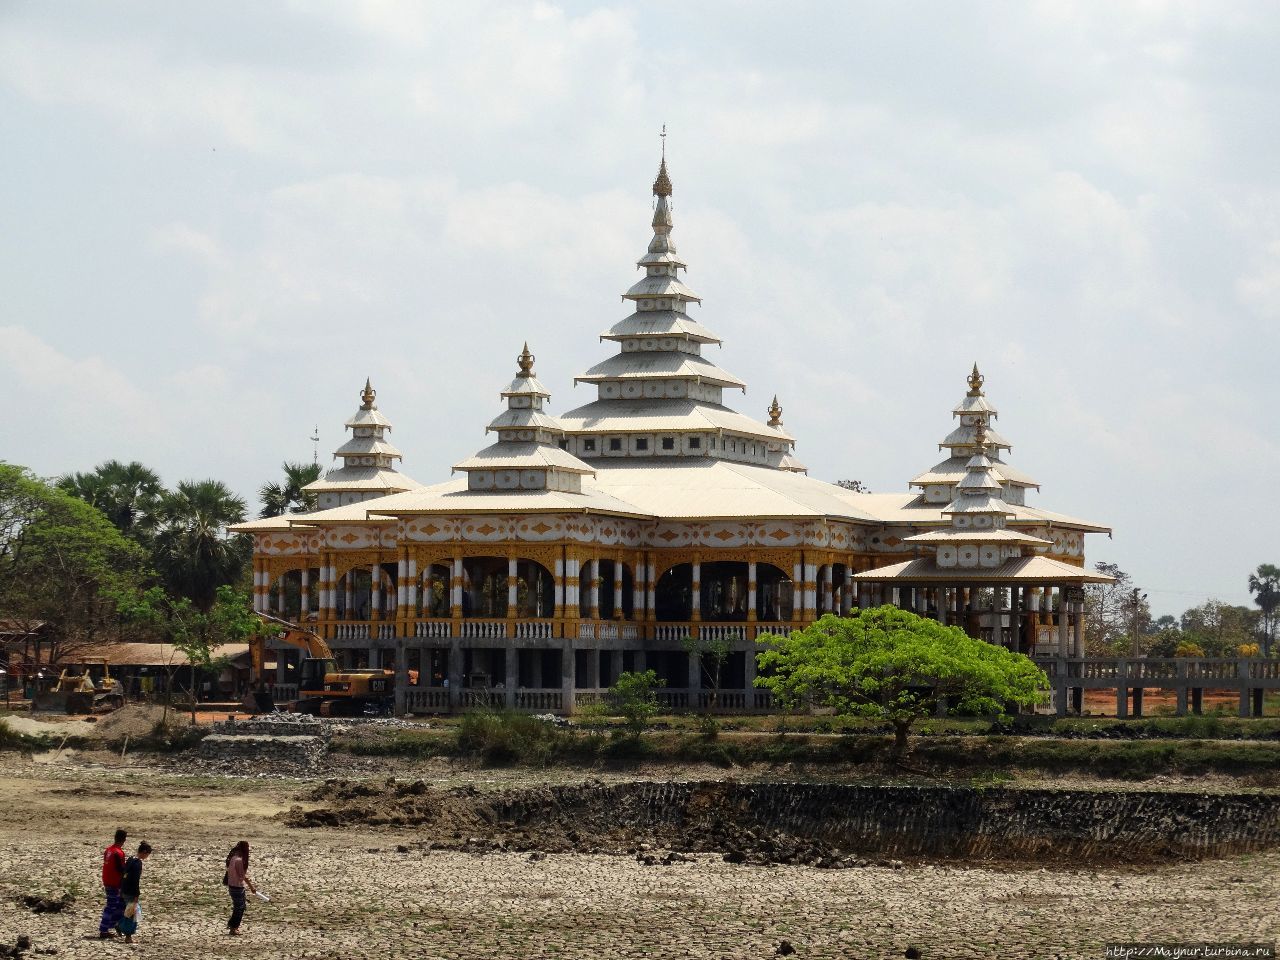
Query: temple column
375, 591
810, 592
350, 595
411, 589
696, 593
1078, 628
751, 591
595, 588
304, 592
1063, 623
617, 589
455, 589
512, 593
258, 573
651, 589
571, 587
827, 603
560, 588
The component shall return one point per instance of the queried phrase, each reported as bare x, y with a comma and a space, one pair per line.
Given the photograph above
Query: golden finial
367, 395
662, 186
775, 413
980, 435
975, 382
526, 361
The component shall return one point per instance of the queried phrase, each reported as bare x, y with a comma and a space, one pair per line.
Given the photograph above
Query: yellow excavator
323, 689
87, 687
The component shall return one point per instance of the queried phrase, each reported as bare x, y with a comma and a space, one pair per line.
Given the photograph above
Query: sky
220, 218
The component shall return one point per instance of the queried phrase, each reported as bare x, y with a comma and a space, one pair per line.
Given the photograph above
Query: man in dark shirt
112, 877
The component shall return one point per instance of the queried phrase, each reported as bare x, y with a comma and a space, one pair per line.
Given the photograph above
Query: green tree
127, 493
193, 552
289, 496
892, 665
1220, 628
634, 698
1109, 613
63, 563
712, 649
1264, 584
193, 633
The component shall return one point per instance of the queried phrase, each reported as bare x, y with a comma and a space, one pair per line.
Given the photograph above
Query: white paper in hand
262, 896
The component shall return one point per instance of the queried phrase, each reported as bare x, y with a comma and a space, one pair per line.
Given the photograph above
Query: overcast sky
218, 219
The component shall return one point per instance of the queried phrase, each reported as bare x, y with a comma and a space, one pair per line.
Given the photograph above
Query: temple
647, 527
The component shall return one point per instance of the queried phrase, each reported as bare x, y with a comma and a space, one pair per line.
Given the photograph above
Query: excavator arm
312, 643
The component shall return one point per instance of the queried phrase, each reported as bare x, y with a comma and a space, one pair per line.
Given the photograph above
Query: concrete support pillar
402, 677
566, 677
751, 591
615, 666
1197, 700
750, 679
694, 680
1182, 702
696, 593
512, 682
282, 673
455, 673
375, 591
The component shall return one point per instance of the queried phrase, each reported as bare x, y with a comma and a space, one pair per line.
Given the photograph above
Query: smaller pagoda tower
978, 536
938, 484
527, 455
368, 460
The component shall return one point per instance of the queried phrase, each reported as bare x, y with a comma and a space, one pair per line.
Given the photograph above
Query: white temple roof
654, 365
660, 286
363, 479
954, 535
952, 469
513, 455
658, 415
659, 323
454, 497
1037, 569
366, 446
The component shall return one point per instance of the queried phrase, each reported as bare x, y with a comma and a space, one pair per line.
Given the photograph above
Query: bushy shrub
505, 736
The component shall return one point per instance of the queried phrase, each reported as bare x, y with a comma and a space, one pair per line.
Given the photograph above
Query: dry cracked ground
351, 894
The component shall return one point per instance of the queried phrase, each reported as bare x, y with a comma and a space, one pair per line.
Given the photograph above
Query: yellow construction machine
83, 688
323, 689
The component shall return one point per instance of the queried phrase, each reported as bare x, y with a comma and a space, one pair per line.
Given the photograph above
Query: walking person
236, 879
113, 861
131, 892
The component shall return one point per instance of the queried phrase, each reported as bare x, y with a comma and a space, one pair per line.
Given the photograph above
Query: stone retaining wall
933, 821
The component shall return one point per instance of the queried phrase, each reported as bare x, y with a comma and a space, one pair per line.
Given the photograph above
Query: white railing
628, 631
539, 700
433, 629
586, 631
386, 631
351, 631
535, 629
484, 629
774, 629
721, 632
670, 632
426, 700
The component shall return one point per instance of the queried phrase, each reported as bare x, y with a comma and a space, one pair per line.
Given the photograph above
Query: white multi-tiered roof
659, 396
938, 483
368, 460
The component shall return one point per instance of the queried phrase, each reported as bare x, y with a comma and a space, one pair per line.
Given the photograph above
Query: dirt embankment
824, 825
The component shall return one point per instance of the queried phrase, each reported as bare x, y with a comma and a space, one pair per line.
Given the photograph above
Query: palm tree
194, 554
289, 496
1265, 582
128, 493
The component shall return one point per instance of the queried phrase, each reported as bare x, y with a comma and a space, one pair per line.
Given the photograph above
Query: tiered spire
781, 455
978, 536
527, 455
973, 409
368, 459
658, 396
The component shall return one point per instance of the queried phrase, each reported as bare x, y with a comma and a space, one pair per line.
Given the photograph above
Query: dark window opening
642, 444
668, 443
615, 443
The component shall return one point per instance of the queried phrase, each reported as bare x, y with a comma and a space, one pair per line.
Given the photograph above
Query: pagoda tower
527, 455
978, 536
368, 460
974, 409
659, 396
